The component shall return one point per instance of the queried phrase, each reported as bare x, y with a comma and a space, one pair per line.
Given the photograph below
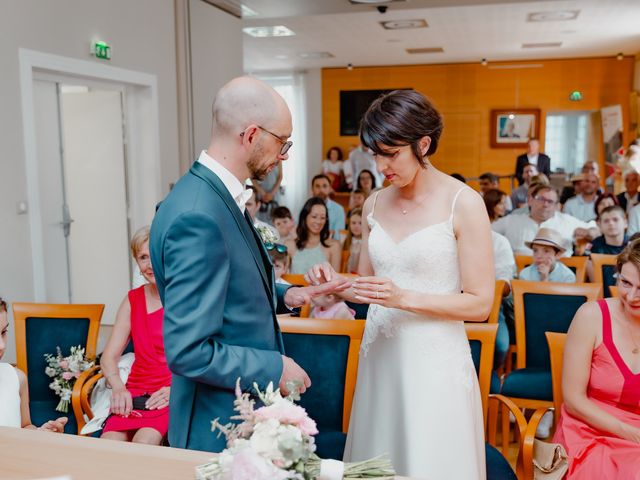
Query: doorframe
142, 136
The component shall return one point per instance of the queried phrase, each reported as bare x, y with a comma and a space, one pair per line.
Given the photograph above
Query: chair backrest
482, 340
541, 307
613, 291
556, 353
328, 351
578, 265
81, 394
344, 261
497, 302
604, 267
295, 279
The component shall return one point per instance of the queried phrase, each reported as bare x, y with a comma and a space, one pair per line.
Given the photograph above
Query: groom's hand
291, 371
298, 296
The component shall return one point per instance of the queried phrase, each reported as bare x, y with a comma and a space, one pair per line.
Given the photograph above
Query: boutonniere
266, 234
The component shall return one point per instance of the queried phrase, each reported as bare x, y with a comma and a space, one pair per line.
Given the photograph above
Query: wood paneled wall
466, 93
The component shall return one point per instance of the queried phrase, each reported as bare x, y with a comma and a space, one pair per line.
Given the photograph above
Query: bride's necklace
416, 204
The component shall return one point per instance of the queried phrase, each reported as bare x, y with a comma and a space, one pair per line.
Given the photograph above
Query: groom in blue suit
214, 276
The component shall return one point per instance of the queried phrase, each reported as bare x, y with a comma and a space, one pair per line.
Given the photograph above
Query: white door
83, 197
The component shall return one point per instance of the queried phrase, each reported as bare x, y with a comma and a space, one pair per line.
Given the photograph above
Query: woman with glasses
600, 420
313, 244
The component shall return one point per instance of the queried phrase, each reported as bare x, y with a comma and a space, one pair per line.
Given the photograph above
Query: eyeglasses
546, 201
278, 247
286, 144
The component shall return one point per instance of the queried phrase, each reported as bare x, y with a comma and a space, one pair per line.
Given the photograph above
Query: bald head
244, 101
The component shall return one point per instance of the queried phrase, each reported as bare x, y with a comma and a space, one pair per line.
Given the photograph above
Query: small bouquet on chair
275, 442
65, 371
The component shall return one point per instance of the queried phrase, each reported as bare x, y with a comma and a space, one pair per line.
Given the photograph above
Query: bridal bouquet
275, 442
65, 371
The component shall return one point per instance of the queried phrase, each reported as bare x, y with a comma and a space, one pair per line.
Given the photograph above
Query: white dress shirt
239, 193
634, 220
577, 207
505, 263
522, 228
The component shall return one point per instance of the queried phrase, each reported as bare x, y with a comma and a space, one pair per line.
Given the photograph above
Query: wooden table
30, 454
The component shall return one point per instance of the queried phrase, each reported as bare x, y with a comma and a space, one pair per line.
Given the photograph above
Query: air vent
413, 51
542, 45
274, 31
558, 16
404, 24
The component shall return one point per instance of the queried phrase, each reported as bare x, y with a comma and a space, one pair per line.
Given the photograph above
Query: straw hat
549, 237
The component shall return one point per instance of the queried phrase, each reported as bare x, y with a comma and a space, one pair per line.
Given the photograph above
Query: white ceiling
467, 30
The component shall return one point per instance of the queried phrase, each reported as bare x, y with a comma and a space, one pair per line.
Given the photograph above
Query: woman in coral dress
139, 409
600, 422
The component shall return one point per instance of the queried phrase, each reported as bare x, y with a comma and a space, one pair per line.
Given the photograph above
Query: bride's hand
379, 291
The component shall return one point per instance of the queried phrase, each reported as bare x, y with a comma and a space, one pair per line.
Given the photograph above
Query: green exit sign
101, 50
575, 96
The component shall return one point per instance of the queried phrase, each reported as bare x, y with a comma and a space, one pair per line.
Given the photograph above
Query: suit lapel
249, 233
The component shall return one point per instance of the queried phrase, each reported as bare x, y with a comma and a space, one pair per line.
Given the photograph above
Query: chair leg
492, 423
506, 430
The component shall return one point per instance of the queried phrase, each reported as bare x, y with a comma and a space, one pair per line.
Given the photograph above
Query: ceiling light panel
273, 31
557, 16
315, 55
542, 45
404, 24
414, 51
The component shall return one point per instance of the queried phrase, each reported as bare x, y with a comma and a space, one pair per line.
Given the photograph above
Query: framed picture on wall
512, 128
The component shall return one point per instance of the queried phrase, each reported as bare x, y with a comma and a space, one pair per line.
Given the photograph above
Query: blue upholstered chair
328, 351
604, 267
539, 307
40, 328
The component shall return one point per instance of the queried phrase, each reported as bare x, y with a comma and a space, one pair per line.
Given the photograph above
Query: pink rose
288, 413
64, 364
67, 375
248, 465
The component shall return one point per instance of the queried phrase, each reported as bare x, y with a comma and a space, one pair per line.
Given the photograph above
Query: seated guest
505, 266
495, 202
539, 179
612, 223
582, 206
139, 409
459, 176
356, 200
280, 258
313, 244
366, 182
543, 213
547, 249
630, 197
571, 189
490, 181
321, 188
283, 221
519, 195
332, 167
14, 389
600, 418
331, 306
353, 242
253, 206
603, 201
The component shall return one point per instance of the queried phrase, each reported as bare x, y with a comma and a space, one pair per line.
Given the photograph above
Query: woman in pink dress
600, 422
139, 409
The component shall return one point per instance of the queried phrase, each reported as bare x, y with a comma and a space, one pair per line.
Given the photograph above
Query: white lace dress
10, 415
417, 395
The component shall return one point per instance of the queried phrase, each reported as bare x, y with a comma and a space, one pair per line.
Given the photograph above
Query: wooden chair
482, 339
328, 351
344, 261
604, 266
81, 395
577, 264
497, 302
556, 343
40, 328
540, 307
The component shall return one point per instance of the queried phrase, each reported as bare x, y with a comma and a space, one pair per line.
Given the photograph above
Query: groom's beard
257, 169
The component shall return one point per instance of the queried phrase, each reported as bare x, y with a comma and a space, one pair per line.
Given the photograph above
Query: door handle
66, 220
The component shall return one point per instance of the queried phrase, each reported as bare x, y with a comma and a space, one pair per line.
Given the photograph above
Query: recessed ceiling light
425, 50
402, 24
247, 12
274, 31
542, 45
558, 16
315, 55
282, 57
374, 2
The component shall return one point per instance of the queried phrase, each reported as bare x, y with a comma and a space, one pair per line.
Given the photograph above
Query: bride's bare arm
475, 253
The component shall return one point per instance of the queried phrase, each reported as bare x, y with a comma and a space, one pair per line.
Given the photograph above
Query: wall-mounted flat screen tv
353, 105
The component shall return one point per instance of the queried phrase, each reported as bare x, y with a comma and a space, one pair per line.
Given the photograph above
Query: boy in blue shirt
548, 247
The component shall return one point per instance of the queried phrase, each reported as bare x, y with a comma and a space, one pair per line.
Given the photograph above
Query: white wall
216, 58
313, 94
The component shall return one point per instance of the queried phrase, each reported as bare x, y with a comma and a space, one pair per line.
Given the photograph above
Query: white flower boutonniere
266, 234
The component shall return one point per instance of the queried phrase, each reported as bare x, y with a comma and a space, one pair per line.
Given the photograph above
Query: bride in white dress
426, 266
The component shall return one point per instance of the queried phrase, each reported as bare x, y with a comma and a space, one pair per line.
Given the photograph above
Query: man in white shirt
533, 155
630, 197
543, 213
321, 187
582, 206
360, 159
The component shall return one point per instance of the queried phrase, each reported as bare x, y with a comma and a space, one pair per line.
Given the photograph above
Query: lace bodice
424, 261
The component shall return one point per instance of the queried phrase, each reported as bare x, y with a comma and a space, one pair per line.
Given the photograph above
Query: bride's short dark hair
401, 118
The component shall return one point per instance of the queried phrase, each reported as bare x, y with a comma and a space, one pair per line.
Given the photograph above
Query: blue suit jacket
220, 302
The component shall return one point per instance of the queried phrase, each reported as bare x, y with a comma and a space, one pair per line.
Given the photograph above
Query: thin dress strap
375, 199
455, 199
607, 337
